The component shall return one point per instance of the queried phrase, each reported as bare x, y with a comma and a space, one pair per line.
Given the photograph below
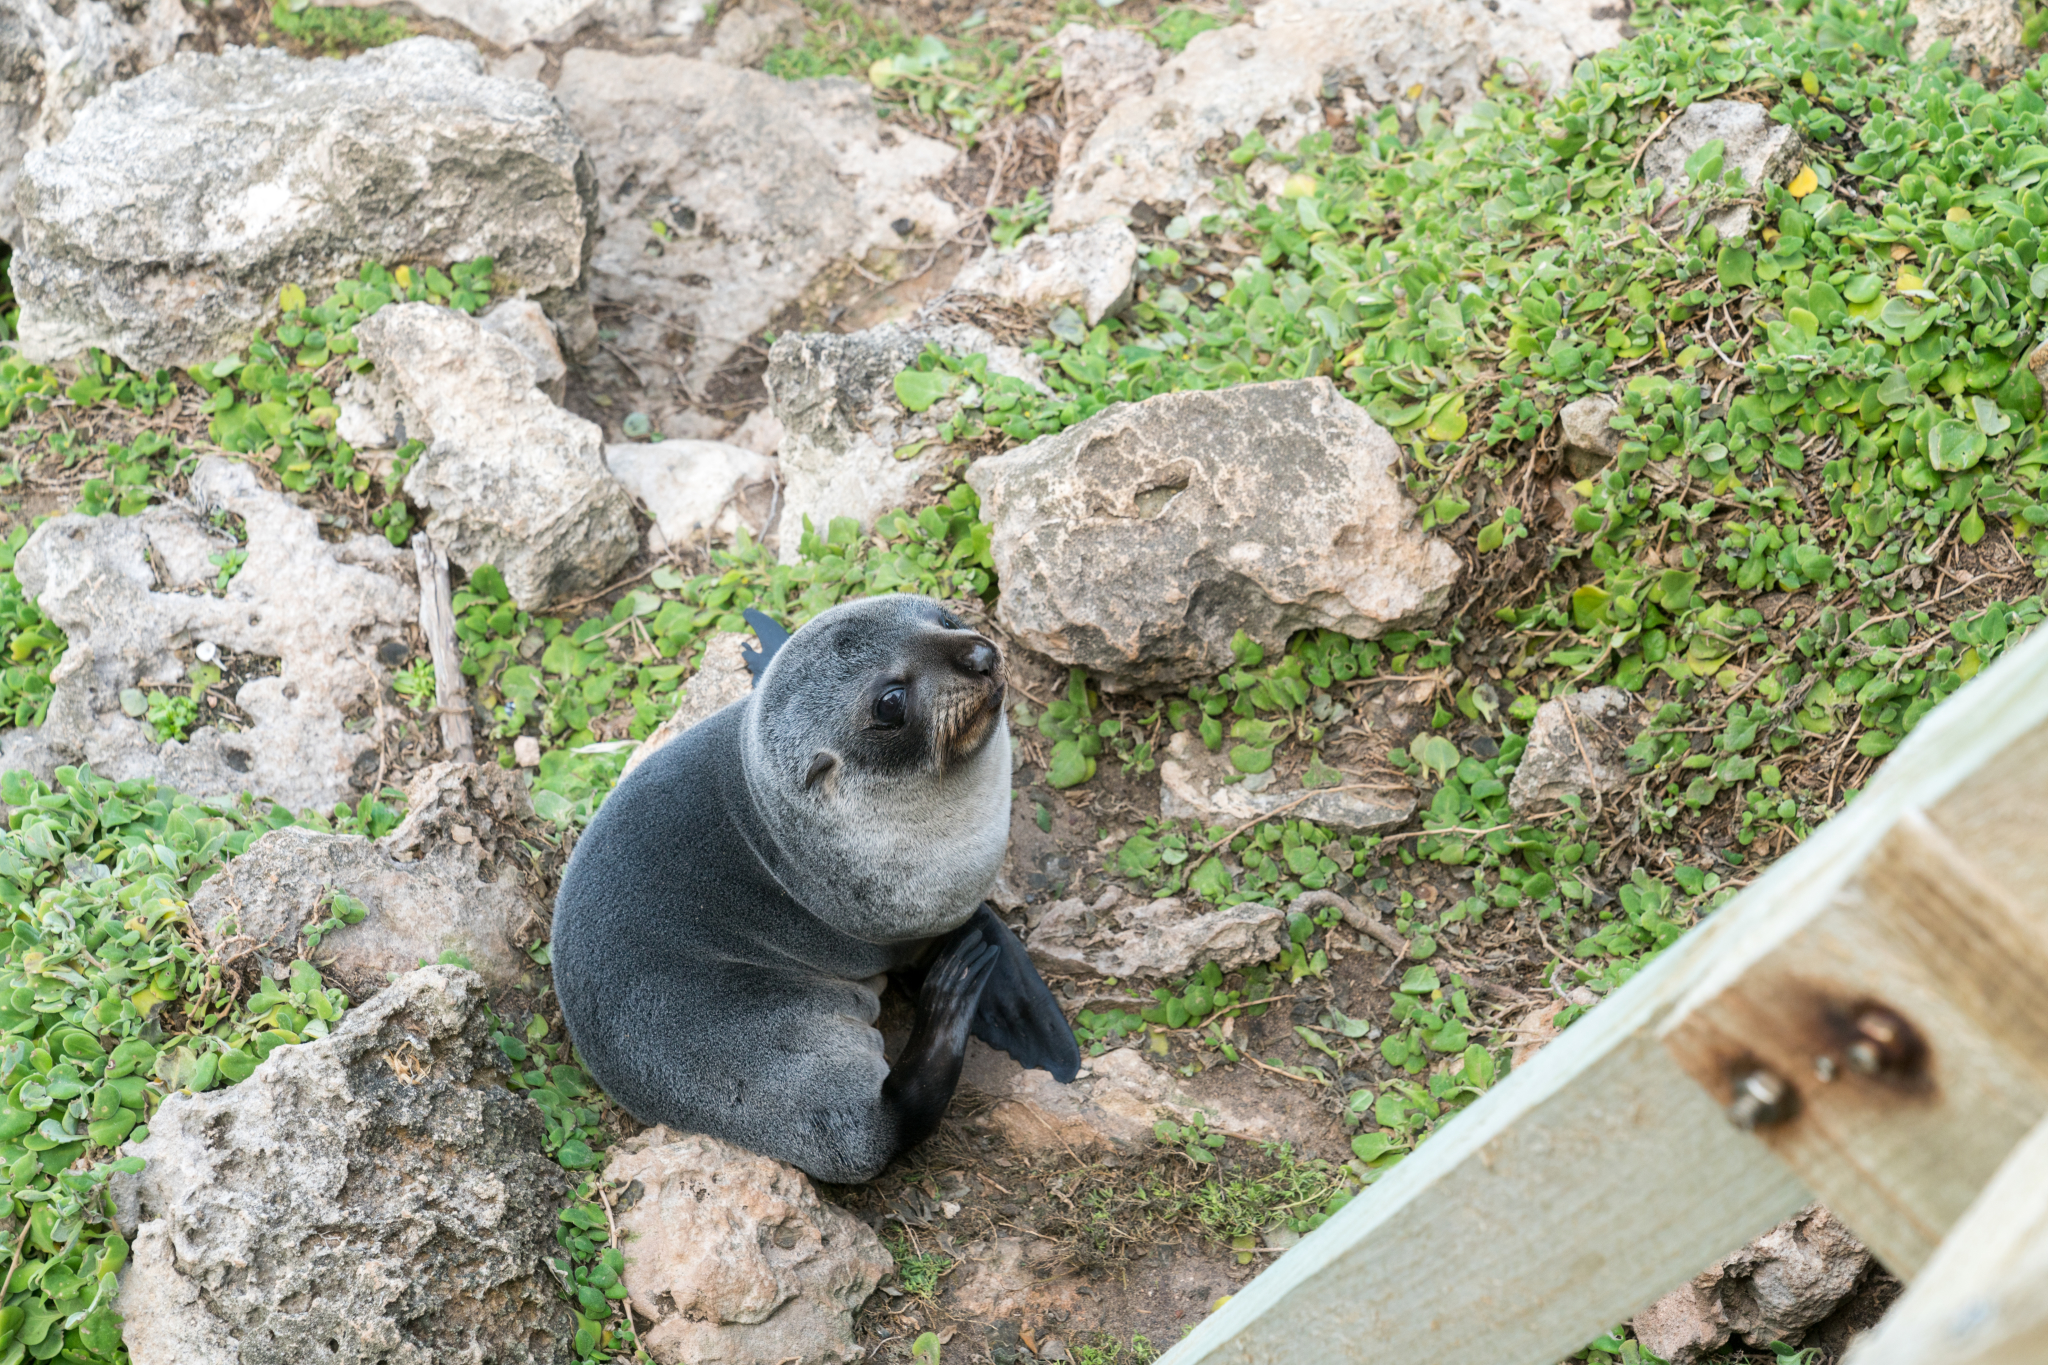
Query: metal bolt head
1881, 1043
1761, 1098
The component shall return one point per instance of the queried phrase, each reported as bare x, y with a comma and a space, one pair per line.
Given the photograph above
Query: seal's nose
980, 658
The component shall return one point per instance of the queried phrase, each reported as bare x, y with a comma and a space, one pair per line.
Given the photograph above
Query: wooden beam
437, 623
1983, 1298
1601, 1175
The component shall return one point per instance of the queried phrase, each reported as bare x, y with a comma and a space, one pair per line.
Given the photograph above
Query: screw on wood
1761, 1098
1884, 1043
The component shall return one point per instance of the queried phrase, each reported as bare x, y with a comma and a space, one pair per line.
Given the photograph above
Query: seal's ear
823, 764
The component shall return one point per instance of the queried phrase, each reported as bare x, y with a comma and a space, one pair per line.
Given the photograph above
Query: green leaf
917, 390
1736, 268
1069, 766
1955, 446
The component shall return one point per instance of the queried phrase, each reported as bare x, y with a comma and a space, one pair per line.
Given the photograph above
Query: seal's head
877, 749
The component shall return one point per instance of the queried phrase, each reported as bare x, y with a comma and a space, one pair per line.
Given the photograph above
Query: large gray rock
136, 597
1098, 67
1274, 75
1089, 270
1578, 746
511, 23
733, 1257
726, 193
1137, 543
696, 491
161, 228
1772, 1290
1985, 30
1762, 150
849, 447
1121, 937
55, 58
269, 897
507, 477
358, 1200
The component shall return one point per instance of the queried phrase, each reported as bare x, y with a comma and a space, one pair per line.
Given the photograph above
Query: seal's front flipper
1018, 1014
771, 636
921, 1083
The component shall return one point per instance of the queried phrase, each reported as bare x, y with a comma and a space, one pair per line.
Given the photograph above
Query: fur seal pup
725, 923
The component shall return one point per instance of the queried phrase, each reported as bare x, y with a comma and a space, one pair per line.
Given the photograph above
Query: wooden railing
1866, 1025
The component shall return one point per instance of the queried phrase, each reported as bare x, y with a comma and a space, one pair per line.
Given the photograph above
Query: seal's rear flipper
771, 636
1017, 1013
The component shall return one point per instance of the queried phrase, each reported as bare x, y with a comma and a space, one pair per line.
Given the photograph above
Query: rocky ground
1461, 488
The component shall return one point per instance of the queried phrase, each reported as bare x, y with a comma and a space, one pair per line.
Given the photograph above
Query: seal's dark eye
949, 620
889, 708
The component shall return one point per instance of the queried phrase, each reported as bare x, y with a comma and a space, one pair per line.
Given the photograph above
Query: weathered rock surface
1772, 1290
511, 23
1751, 143
507, 477
53, 58
695, 489
1112, 1103
476, 804
356, 1200
1138, 542
1098, 67
1120, 936
334, 615
757, 186
1577, 746
417, 910
1590, 444
1986, 30
525, 324
162, 226
720, 680
1274, 76
1195, 784
835, 396
734, 1258
1089, 269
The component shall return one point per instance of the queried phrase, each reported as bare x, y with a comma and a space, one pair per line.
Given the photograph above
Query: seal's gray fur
722, 923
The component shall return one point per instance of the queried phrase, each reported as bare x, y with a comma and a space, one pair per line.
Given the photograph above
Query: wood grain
437, 623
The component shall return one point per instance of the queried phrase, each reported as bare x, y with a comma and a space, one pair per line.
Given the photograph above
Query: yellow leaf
1449, 423
404, 276
1770, 235
1300, 185
1804, 183
1958, 214
1967, 666
1908, 282
1809, 83
291, 298
1901, 251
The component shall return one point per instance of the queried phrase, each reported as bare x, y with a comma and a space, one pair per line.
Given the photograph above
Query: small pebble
526, 751
208, 652
461, 834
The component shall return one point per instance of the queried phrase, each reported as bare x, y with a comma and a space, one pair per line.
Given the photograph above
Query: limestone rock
1195, 784
720, 680
761, 433
507, 477
758, 185
1590, 444
1098, 67
438, 903
1137, 543
162, 226
1751, 143
1577, 746
525, 324
136, 594
748, 31
734, 1258
835, 396
1112, 1103
360, 1199
1089, 269
53, 58
1772, 1290
1121, 937
695, 490
511, 23
1985, 30
476, 804
1274, 75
